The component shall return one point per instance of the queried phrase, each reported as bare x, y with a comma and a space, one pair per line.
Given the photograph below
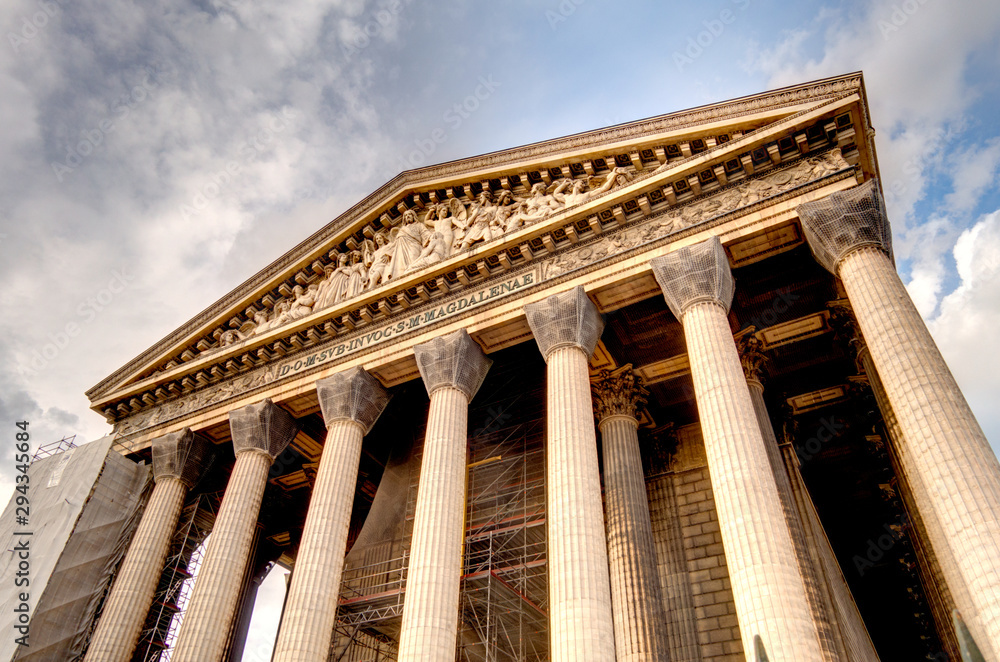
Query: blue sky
117, 120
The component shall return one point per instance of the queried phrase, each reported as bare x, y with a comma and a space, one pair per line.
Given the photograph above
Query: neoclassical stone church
649, 392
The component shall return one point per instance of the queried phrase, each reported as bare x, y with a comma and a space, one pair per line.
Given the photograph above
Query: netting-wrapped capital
568, 319
845, 221
453, 360
181, 454
694, 274
354, 395
264, 426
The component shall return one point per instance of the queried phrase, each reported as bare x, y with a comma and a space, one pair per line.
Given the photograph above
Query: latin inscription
390, 331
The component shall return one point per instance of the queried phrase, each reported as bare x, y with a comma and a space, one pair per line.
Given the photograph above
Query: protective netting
694, 274
846, 221
84, 506
181, 454
353, 394
569, 319
264, 426
453, 360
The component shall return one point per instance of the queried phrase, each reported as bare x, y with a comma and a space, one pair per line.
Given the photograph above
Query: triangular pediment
436, 230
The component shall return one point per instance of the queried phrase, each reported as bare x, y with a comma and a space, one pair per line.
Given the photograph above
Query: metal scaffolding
177, 579
504, 588
55, 447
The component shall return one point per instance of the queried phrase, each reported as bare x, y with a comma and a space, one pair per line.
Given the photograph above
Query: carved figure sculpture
578, 191
303, 301
336, 283
436, 250
407, 244
379, 261
357, 274
480, 217
540, 201
446, 219
230, 337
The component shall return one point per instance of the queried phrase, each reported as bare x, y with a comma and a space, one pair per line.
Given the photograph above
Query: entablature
536, 220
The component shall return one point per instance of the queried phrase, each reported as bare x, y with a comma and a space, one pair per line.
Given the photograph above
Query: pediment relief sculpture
422, 238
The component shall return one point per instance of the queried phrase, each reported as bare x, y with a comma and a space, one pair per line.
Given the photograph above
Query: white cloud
966, 327
927, 245
973, 172
916, 75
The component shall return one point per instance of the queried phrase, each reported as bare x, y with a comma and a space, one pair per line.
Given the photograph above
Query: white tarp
84, 505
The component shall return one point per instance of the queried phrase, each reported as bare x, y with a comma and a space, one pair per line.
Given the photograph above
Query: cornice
552, 149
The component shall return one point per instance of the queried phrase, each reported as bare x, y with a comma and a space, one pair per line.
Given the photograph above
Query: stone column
929, 567
841, 631
943, 449
351, 402
768, 588
636, 596
453, 368
567, 327
178, 460
260, 432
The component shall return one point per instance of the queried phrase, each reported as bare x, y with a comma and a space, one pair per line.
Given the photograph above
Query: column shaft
311, 609
833, 649
767, 585
939, 593
132, 594
681, 622
580, 615
944, 447
852, 631
430, 608
635, 588
213, 603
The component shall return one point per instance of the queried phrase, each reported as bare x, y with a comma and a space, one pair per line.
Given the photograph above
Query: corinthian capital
752, 356
844, 222
183, 455
453, 360
262, 426
695, 274
617, 393
353, 395
569, 319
